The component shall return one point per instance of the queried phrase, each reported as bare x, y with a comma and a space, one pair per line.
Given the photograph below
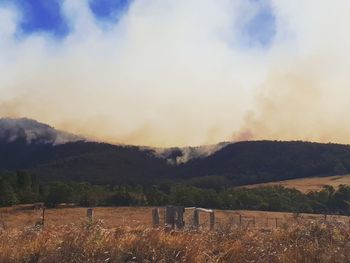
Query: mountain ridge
226, 164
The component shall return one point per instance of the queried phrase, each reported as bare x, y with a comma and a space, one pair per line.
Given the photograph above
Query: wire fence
179, 217
209, 219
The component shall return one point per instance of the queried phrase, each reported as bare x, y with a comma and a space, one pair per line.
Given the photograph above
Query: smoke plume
177, 73
33, 132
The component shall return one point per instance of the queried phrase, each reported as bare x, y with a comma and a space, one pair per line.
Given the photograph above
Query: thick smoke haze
305, 93
31, 131
177, 73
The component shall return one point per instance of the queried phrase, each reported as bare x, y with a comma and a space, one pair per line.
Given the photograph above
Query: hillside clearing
306, 185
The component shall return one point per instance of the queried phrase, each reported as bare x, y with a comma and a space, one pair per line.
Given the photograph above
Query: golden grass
306, 185
84, 242
124, 234
23, 216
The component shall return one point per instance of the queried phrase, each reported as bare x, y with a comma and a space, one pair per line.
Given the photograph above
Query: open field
306, 185
124, 234
22, 216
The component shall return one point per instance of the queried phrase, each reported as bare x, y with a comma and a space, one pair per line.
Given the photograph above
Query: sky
178, 72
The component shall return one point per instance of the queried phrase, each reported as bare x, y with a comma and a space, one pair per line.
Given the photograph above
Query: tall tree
7, 194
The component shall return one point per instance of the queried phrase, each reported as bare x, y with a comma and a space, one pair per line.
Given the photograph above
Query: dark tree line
18, 187
22, 187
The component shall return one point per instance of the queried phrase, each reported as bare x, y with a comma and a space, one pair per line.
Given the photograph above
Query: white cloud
8, 22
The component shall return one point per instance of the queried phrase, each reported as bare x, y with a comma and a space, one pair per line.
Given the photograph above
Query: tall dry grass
85, 242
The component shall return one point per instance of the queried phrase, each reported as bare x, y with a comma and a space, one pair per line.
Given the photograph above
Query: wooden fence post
155, 217
43, 218
212, 220
179, 220
240, 220
276, 219
170, 217
2, 221
89, 214
196, 218
254, 221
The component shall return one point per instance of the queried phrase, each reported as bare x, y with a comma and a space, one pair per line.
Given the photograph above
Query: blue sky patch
42, 16
46, 15
108, 9
261, 28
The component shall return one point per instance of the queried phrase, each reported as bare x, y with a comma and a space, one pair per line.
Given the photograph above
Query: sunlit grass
84, 242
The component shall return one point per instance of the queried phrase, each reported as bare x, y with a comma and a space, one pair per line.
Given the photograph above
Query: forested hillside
235, 164
263, 161
52, 155
38, 163
83, 161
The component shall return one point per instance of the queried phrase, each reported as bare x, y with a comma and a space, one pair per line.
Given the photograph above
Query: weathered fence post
2, 221
254, 221
276, 219
174, 217
240, 220
179, 220
170, 217
89, 214
212, 220
196, 218
43, 218
155, 217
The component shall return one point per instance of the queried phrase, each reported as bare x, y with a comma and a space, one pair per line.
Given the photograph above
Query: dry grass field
306, 185
22, 216
125, 234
